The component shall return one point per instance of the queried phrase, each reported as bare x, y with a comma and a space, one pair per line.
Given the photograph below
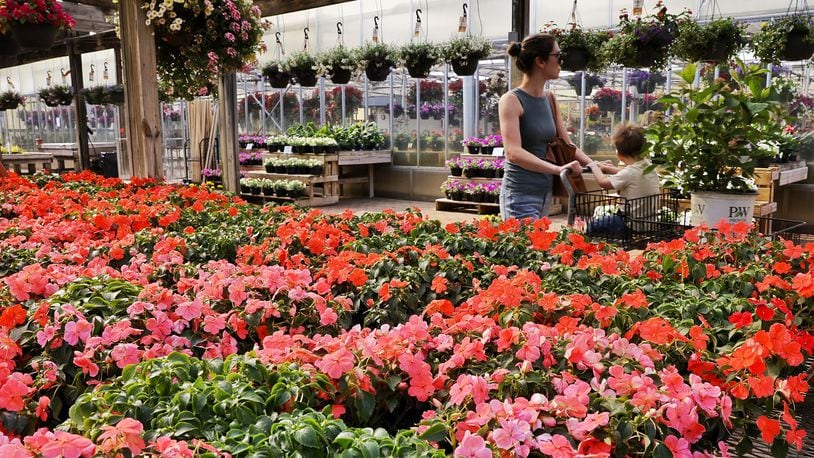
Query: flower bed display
217, 326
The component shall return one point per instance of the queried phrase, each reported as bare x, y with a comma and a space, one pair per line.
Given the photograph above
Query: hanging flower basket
339, 62
376, 59
55, 96
799, 45
419, 58
10, 100
278, 78
591, 81
304, 68
644, 42
716, 41
306, 78
464, 53
8, 47
104, 95
38, 37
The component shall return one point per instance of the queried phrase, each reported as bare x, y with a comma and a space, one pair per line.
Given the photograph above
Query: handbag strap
555, 112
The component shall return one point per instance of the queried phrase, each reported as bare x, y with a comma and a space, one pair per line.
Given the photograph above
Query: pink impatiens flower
125, 434
557, 446
77, 330
473, 446
337, 363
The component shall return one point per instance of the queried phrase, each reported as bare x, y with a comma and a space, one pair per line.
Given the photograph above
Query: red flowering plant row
474, 339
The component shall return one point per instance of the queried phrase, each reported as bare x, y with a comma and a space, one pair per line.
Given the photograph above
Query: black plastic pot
797, 46
469, 173
718, 52
646, 57
34, 36
575, 59
487, 149
341, 76
307, 78
420, 69
465, 67
456, 171
473, 149
588, 88
377, 71
276, 77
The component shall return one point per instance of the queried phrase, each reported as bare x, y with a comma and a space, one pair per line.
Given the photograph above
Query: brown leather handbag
561, 152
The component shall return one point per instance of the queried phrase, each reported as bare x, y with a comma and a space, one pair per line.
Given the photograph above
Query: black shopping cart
633, 223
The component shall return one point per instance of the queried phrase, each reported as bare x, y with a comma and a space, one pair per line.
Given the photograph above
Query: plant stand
320, 190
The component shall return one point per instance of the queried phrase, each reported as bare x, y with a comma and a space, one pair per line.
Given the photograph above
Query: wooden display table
16, 162
352, 159
69, 152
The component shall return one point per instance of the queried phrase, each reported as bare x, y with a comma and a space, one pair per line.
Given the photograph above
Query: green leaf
308, 437
364, 404
435, 433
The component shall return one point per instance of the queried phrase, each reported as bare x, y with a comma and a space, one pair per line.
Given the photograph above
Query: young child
630, 182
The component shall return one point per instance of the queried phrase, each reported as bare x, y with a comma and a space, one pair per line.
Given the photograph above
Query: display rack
320, 190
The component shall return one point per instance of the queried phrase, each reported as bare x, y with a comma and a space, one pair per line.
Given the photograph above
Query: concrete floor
377, 204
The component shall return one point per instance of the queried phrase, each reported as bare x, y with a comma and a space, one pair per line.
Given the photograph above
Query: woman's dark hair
532, 47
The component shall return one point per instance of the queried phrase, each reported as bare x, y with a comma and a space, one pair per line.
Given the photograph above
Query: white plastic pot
711, 207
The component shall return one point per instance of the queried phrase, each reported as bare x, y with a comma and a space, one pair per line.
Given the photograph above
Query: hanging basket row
54, 96
104, 95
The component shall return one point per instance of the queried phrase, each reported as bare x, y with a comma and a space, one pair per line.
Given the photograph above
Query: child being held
630, 182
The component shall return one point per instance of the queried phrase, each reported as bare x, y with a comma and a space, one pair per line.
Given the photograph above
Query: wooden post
227, 131
75, 61
145, 140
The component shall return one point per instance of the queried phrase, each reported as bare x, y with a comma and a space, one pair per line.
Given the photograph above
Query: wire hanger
339, 37
375, 29
305, 43
280, 49
462, 21
417, 31
65, 74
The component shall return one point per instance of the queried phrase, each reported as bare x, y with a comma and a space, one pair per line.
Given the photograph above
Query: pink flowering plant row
156, 320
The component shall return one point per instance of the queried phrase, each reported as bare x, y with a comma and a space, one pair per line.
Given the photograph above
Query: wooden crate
320, 190
480, 208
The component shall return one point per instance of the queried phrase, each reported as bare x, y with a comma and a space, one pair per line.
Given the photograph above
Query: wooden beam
88, 18
275, 7
145, 140
104, 5
227, 131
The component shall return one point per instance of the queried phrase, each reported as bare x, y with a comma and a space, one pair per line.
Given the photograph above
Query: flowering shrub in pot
705, 153
338, 63
580, 48
472, 144
644, 42
303, 66
34, 24
276, 74
195, 41
54, 96
418, 57
377, 59
464, 53
10, 100
716, 41
608, 99
455, 167
788, 38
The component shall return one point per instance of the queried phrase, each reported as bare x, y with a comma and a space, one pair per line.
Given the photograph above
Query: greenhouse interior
405, 228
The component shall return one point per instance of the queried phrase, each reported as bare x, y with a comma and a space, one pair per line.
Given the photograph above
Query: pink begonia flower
557, 446
125, 354
337, 363
77, 330
190, 310
680, 448
473, 446
125, 434
328, 317
60, 444
511, 433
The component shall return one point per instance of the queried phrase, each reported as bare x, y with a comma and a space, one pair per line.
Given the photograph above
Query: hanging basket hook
339, 28
305, 31
277, 37
465, 6
418, 15
376, 21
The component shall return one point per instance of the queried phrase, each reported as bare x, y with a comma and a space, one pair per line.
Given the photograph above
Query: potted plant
472, 145
34, 24
489, 143
446, 188
591, 81
644, 42
455, 167
592, 112
54, 96
787, 38
267, 186
711, 149
401, 141
716, 41
303, 66
339, 63
608, 99
113, 94
10, 100
464, 53
376, 59
276, 75
419, 57
645, 82
580, 48
295, 188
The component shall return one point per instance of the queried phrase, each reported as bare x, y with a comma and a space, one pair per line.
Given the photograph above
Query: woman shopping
527, 124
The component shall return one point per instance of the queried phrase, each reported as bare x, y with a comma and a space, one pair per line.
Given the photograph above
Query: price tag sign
288, 149
249, 146
498, 151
